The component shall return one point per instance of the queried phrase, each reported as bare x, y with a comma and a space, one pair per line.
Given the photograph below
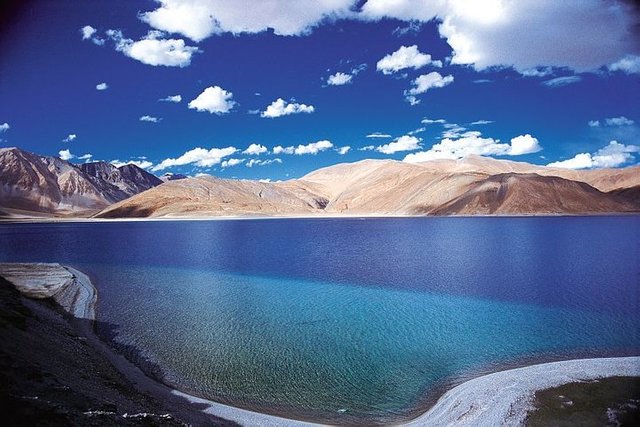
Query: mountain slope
209, 196
48, 185
385, 187
521, 194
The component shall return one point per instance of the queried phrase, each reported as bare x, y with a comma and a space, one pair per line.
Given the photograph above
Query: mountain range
33, 185
473, 185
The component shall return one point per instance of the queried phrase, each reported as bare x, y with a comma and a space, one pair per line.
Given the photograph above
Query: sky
275, 89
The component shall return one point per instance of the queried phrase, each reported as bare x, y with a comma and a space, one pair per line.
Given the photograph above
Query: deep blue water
348, 319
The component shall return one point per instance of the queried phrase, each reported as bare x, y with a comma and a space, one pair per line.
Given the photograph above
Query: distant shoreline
311, 216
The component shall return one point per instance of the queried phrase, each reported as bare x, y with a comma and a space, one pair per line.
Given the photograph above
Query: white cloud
154, 50
431, 121
65, 154
150, 119
311, 148
473, 143
231, 162
70, 137
4, 127
582, 35
255, 150
278, 149
199, 19
88, 33
378, 135
619, 121
524, 144
339, 79
257, 162
172, 98
630, 64
405, 57
579, 161
142, 164
610, 156
199, 156
214, 100
367, 148
562, 81
86, 157
102, 86
425, 82
481, 122
611, 121
280, 107
343, 150
404, 143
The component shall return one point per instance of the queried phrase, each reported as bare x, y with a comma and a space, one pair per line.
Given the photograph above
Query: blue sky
299, 81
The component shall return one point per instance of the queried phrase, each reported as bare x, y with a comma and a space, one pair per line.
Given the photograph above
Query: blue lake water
349, 320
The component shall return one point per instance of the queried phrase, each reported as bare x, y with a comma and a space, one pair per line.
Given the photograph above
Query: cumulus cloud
214, 100
198, 156
154, 50
70, 137
172, 98
378, 135
403, 58
150, 119
257, 162
610, 156
199, 19
425, 82
525, 34
474, 143
142, 164
343, 150
88, 33
311, 148
231, 162
65, 154
280, 107
562, 81
630, 64
404, 143
4, 127
339, 79
255, 150
102, 86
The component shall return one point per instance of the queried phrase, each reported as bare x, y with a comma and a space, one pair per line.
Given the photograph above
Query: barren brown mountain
39, 185
471, 186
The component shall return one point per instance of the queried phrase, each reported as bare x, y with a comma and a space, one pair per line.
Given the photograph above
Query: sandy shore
496, 399
505, 398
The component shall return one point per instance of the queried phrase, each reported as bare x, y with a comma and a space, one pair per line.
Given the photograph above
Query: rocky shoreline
52, 366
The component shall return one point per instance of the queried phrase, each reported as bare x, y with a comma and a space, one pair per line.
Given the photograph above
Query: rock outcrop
69, 287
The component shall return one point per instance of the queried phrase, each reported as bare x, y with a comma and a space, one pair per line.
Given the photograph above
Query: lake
349, 320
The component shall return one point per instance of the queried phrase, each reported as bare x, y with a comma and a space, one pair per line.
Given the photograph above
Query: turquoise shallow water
350, 321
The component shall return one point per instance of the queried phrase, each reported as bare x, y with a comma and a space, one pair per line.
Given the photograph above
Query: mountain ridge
49, 185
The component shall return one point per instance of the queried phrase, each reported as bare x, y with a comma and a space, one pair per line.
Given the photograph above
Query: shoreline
496, 398
53, 220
